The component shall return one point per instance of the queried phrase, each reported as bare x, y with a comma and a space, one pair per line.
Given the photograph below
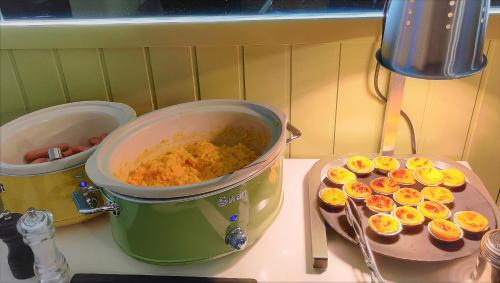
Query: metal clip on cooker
86, 202
37, 229
54, 153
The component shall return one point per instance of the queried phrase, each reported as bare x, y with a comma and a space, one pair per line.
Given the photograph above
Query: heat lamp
428, 39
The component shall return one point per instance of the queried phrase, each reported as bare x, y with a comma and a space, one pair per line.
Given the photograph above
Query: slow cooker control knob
236, 239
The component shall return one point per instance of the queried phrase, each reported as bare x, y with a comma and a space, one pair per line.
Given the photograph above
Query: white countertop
281, 255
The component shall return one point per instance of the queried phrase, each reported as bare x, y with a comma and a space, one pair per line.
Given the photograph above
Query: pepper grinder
37, 229
20, 256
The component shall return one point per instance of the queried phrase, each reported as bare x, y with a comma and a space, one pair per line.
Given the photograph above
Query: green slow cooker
200, 221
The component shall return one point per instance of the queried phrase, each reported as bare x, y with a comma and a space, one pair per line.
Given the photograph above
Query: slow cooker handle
295, 133
86, 204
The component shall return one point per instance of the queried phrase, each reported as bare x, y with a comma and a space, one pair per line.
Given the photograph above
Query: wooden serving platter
411, 244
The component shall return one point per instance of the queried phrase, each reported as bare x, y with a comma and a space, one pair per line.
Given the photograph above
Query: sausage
94, 141
79, 148
43, 152
68, 152
40, 160
97, 139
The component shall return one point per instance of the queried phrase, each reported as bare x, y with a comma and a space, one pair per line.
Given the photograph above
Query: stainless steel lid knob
237, 239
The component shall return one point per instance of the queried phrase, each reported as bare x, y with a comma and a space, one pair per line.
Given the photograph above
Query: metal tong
355, 222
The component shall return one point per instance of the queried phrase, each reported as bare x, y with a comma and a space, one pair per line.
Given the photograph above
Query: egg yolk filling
384, 224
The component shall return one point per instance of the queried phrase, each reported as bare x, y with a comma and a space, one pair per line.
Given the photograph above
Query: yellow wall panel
128, 78
359, 113
11, 99
447, 116
173, 75
482, 150
40, 78
83, 74
314, 98
220, 72
267, 75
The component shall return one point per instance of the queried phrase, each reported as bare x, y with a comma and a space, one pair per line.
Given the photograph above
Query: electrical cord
403, 114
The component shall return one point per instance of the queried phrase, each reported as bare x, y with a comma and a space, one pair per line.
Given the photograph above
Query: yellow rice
192, 163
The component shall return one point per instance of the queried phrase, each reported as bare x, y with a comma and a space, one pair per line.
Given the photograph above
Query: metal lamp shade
434, 39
